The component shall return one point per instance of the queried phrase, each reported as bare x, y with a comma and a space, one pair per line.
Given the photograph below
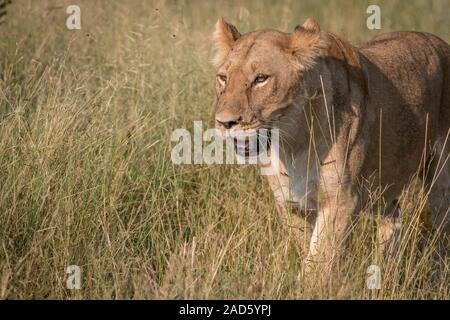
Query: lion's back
417, 66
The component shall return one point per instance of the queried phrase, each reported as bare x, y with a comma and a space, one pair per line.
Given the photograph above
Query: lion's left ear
306, 43
309, 25
224, 36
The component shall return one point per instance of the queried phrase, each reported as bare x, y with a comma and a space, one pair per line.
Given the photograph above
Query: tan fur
337, 106
223, 37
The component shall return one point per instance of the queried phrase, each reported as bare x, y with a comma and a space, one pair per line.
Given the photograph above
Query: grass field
86, 177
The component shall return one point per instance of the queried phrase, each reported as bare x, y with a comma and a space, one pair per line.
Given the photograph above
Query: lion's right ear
224, 37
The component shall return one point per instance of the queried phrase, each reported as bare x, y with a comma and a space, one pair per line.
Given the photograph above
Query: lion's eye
222, 79
260, 78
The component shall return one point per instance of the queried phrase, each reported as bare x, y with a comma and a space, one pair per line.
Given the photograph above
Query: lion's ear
310, 25
306, 43
224, 37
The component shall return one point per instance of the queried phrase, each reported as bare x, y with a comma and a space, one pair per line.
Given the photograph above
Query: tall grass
86, 177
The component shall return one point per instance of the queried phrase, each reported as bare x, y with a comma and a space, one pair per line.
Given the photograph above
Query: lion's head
259, 74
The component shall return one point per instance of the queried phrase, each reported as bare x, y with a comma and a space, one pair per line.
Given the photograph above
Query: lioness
350, 117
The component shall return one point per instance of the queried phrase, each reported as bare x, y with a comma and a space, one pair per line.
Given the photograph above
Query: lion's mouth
253, 144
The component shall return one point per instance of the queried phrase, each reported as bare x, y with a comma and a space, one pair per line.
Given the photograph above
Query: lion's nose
227, 120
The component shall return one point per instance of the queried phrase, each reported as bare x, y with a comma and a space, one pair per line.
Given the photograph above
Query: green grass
86, 177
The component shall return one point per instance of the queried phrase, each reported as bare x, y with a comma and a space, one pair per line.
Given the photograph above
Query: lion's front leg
298, 223
389, 231
331, 229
